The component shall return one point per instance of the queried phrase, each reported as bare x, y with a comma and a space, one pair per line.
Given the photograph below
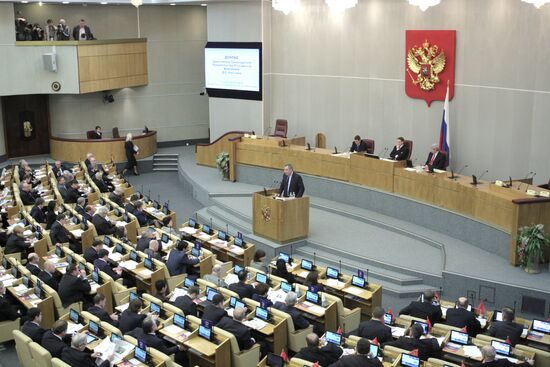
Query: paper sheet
471, 351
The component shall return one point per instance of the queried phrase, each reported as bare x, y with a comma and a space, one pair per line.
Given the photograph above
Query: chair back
300, 362
90, 134
56, 362
370, 145
22, 348
441, 363
409, 145
116, 134
41, 357
320, 141
281, 128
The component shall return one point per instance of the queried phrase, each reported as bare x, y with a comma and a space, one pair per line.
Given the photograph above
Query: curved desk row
75, 150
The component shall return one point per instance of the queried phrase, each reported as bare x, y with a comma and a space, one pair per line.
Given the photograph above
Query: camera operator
50, 31
37, 32
63, 32
82, 32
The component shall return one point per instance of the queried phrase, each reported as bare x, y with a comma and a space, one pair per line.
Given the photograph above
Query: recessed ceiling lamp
285, 6
424, 4
537, 3
341, 5
137, 3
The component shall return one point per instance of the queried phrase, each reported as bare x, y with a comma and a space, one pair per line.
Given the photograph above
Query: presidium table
505, 208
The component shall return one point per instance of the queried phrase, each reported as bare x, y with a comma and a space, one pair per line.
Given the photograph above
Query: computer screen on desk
191, 223
188, 282
206, 229
140, 354
205, 332
210, 293
222, 235
133, 255
285, 257
93, 327
179, 320
148, 263
234, 303
312, 297
306, 264
107, 241
274, 360
239, 242
133, 296
374, 349
498, 316
333, 338
459, 337
74, 316
388, 318
155, 308
409, 361
165, 238
261, 278
262, 313
541, 326
286, 287
119, 248
195, 251
237, 269
332, 273
358, 281
424, 325
501, 348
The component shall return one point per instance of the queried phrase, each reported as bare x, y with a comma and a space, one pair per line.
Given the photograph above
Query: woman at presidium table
131, 151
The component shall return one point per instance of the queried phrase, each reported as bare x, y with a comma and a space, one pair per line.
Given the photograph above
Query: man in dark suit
375, 327
179, 262
62, 187
8, 312
361, 358
31, 327
58, 169
74, 286
236, 327
140, 215
48, 275
241, 288
426, 347
146, 237
33, 261
400, 151
98, 309
292, 183
187, 303
489, 355
214, 311
300, 322
507, 328
358, 145
80, 206
131, 318
76, 355
37, 211
56, 339
102, 226
424, 309
314, 353
27, 197
82, 32
97, 178
97, 133
102, 263
16, 242
117, 197
91, 253
436, 159
147, 334
460, 317
72, 192
60, 234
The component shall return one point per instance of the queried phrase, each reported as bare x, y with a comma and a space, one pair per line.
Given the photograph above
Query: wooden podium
280, 220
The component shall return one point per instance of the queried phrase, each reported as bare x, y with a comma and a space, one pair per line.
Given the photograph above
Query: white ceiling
123, 2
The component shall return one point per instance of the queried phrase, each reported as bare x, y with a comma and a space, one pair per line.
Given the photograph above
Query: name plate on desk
531, 193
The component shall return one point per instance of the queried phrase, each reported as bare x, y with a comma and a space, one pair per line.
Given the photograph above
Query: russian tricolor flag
444, 135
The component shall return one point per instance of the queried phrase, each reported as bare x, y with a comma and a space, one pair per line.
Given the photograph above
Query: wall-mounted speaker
50, 62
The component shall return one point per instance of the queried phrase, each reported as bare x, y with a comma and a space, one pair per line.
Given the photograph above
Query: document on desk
120, 223
128, 264
123, 307
77, 232
236, 250
482, 322
335, 283
178, 292
276, 296
231, 279
27, 233
315, 309
354, 290
74, 328
188, 230
303, 274
115, 256
255, 323
219, 243
471, 351
20, 289
144, 272
397, 331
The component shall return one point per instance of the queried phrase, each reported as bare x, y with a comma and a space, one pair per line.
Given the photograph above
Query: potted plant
222, 162
531, 242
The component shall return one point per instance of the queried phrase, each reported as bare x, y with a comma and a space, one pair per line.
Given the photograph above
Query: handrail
136, 137
221, 137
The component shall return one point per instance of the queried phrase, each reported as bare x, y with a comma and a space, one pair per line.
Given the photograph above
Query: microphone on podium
475, 179
384, 150
453, 176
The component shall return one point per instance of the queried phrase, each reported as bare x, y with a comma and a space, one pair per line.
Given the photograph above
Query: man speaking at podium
291, 184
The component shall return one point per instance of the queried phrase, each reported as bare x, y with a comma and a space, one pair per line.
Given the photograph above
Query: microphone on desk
314, 258
211, 224
335, 150
483, 174
227, 229
475, 179
382, 151
453, 176
308, 147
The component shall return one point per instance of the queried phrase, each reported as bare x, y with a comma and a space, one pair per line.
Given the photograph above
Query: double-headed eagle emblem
426, 62
266, 213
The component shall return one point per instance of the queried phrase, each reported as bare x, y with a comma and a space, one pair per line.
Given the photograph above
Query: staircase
165, 162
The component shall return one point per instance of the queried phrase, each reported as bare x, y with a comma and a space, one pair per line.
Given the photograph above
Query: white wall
344, 75
171, 103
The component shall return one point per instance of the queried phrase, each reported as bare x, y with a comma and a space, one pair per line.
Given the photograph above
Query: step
170, 155
165, 169
167, 164
231, 210
165, 159
225, 217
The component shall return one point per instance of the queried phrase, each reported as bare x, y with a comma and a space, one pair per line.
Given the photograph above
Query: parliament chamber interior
256, 183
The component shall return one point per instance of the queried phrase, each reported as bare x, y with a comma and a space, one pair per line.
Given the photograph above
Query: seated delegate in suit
507, 328
424, 309
460, 317
51, 216
31, 327
80, 206
427, 348
361, 358
56, 339
358, 145
259, 261
312, 280
117, 197
375, 327
130, 318
101, 223
161, 290
179, 262
300, 322
291, 184
33, 264
16, 242
436, 159
147, 236
72, 192
91, 254
8, 312
58, 169
101, 185
98, 309
314, 353
97, 133
147, 334
187, 303
400, 152
236, 327
140, 215
60, 234
37, 211
214, 310
48, 275
261, 294
62, 187
76, 355
489, 359
215, 276
74, 286
154, 250
26, 194
282, 272
102, 263
241, 288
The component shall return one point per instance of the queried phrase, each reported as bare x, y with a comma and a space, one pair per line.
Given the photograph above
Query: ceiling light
66, 2
24, 2
285, 6
203, 4
104, 3
136, 3
40, 3
341, 5
537, 3
424, 4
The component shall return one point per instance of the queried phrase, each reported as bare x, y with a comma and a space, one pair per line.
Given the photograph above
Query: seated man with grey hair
80, 207
146, 236
236, 327
300, 322
488, 354
103, 226
215, 276
97, 178
76, 356
147, 334
314, 353
436, 159
117, 196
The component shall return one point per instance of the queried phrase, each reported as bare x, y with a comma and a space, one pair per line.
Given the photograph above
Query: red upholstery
115, 132
90, 134
281, 128
409, 144
370, 145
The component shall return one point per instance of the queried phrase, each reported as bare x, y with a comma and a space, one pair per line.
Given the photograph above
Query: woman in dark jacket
131, 152
50, 214
282, 272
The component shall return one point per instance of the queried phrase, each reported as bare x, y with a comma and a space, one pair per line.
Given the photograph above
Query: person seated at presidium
358, 145
97, 133
436, 159
400, 151
291, 184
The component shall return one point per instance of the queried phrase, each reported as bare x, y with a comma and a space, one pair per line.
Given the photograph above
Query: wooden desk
46, 306
74, 150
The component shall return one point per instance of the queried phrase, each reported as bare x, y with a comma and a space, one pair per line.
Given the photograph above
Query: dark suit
153, 341
33, 268
426, 347
324, 356
16, 244
62, 191
506, 329
53, 344
141, 218
79, 358
33, 331
361, 148
143, 244
241, 332
102, 315
96, 135
423, 310
8, 312
49, 279
296, 186
106, 268
73, 289
90, 255
289, 277
300, 322
178, 262
72, 196
80, 210
401, 154
129, 320
102, 226
38, 214
27, 197
59, 234
503, 363
186, 304
117, 199
87, 33
375, 329
357, 360
213, 313
129, 207
438, 163
460, 317
58, 172
101, 185
242, 289
50, 219
256, 297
